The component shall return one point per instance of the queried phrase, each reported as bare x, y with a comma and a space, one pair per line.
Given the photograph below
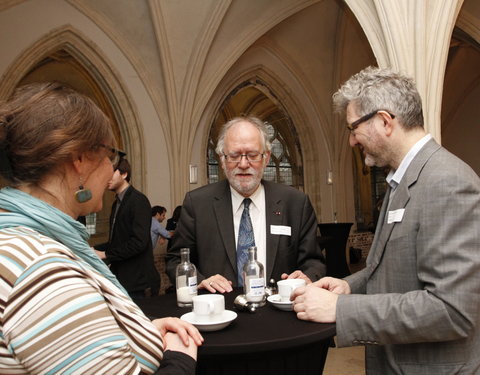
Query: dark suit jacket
129, 250
422, 312
206, 227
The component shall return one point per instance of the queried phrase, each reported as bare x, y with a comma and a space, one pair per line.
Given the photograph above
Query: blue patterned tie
246, 239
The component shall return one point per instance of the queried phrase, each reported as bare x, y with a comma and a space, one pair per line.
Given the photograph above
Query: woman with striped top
61, 309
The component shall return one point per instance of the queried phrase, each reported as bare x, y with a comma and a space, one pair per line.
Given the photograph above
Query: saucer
276, 301
226, 318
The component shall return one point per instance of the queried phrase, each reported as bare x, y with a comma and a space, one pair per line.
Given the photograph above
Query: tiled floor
345, 361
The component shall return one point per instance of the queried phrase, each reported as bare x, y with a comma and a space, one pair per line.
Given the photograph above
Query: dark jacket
206, 227
129, 250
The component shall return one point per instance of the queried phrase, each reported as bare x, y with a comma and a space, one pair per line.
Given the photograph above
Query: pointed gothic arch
65, 41
255, 98
65, 55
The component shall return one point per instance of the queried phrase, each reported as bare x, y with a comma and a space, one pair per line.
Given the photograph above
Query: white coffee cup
208, 307
287, 286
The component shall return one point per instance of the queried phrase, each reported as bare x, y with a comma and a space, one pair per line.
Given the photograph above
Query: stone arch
316, 159
87, 54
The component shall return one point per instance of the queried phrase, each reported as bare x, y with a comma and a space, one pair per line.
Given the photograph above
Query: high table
269, 341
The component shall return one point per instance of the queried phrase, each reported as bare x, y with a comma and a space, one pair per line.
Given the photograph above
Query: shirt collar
395, 176
122, 194
237, 198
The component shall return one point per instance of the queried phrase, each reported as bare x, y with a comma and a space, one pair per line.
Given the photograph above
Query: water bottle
253, 277
186, 279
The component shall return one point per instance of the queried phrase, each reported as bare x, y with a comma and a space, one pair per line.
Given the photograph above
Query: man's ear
388, 124
267, 157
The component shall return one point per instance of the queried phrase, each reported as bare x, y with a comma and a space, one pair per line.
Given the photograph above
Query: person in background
157, 231
61, 309
415, 305
282, 225
129, 250
172, 222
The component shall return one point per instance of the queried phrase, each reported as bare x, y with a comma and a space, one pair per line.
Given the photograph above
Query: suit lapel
399, 199
222, 206
274, 215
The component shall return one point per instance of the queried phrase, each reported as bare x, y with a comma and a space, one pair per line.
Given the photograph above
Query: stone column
412, 36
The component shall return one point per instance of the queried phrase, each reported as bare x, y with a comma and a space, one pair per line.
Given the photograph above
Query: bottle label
255, 289
192, 285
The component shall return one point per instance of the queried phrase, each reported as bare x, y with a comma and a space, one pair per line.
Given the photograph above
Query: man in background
157, 231
219, 221
129, 248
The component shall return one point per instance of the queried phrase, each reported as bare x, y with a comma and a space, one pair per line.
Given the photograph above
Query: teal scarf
25, 210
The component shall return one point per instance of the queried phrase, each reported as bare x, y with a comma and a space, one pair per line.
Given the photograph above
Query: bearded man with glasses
282, 218
415, 305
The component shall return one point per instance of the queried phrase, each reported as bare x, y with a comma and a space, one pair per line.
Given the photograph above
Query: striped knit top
60, 316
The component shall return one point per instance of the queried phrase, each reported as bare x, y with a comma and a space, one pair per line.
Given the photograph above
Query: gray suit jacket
421, 311
206, 227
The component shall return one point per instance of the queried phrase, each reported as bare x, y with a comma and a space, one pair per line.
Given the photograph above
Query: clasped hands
318, 301
179, 335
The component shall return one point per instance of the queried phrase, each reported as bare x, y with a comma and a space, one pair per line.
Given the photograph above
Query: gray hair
259, 124
382, 89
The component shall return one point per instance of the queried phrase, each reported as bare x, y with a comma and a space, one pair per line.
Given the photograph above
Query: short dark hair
176, 213
158, 210
124, 167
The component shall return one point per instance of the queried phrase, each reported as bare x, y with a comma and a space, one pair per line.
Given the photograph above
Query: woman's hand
184, 330
175, 343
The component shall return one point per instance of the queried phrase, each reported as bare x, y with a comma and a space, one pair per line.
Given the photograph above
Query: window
285, 164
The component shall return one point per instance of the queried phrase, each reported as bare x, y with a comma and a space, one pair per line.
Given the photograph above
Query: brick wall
360, 240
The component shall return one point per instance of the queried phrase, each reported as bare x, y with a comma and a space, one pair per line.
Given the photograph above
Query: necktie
246, 239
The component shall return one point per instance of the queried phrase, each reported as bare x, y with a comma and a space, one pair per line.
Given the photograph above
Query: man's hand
216, 283
297, 275
334, 285
315, 304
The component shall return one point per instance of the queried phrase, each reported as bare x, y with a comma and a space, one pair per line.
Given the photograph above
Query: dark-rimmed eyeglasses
251, 157
354, 125
113, 154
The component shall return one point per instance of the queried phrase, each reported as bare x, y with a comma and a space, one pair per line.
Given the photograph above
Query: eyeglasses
113, 154
251, 157
354, 125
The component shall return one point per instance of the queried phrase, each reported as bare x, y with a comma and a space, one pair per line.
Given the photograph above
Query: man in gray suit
416, 304
283, 220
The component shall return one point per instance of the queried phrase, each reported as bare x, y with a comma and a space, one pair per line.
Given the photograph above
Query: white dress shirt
257, 215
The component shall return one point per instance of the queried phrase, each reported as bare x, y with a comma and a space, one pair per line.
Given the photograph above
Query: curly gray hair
382, 89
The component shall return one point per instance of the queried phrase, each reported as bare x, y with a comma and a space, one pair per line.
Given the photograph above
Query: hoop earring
83, 195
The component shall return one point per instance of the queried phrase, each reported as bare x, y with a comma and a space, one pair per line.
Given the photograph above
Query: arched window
254, 98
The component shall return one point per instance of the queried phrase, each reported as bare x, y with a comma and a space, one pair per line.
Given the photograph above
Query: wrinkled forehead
243, 137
